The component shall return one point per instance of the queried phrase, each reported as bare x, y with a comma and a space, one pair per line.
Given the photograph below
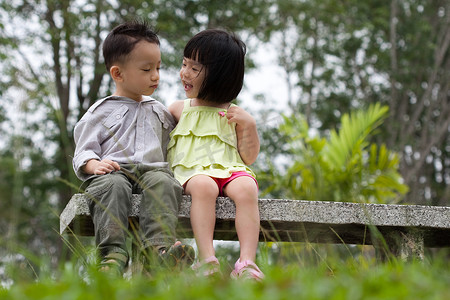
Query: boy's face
192, 74
139, 75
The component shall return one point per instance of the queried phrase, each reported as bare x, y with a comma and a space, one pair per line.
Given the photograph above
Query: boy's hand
101, 167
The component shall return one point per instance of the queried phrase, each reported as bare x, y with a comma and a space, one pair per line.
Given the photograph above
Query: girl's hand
246, 132
238, 115
101, 167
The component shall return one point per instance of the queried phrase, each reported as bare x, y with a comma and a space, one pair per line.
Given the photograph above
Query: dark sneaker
113, 263
176, 256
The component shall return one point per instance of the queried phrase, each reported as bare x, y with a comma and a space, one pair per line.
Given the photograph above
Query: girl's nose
183, 74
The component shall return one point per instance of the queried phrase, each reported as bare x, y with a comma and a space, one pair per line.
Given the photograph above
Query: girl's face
192, 75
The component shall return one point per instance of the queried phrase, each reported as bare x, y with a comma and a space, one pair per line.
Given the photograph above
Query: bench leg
407, 245
136, 248
136, 263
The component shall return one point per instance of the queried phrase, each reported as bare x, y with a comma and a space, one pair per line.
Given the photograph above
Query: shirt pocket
116, 116
165, 121
114, 120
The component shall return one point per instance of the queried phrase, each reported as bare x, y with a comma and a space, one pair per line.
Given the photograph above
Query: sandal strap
208, 266
247, 267
212, 260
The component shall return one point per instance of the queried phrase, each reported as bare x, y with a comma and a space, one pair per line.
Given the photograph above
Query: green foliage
341, 55
332, 278
346, 167
26, 223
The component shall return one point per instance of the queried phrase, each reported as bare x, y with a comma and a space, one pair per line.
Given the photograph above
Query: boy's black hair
121, 41
222, 55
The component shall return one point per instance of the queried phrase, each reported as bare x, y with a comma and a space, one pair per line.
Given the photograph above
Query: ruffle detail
218, 126
198, 149
194, 150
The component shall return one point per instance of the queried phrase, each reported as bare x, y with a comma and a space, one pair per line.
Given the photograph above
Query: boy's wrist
89, 166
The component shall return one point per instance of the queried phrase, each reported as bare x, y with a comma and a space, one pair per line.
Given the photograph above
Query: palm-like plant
346, 167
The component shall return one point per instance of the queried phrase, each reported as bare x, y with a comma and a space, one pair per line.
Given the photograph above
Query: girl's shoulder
176, 109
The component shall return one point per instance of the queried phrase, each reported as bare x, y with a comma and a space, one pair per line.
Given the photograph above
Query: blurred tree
342, 55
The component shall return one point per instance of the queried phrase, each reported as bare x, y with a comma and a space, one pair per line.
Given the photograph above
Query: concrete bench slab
405, 229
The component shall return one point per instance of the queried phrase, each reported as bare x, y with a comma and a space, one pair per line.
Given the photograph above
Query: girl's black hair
222, 55
121, 41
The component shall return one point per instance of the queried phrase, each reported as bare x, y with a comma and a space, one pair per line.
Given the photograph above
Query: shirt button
139, 147
117, 117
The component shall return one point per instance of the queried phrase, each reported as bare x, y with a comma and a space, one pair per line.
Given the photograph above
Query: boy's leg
161, 197
109, 204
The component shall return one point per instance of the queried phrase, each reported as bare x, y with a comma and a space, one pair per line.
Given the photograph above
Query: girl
213, 144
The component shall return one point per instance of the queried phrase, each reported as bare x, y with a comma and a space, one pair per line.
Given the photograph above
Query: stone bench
401, 230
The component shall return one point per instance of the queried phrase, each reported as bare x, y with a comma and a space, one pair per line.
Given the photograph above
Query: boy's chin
149, 93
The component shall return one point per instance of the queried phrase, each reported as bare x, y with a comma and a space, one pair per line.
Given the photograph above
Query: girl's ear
116, 73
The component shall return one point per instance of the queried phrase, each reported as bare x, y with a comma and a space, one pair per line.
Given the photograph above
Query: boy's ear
116, 73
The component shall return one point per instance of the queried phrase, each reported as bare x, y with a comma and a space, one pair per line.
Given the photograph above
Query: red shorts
222, 182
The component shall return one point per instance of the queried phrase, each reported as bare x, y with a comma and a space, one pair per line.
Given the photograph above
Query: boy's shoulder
116, 105
101, 109
97, 104
110, 101
153, 102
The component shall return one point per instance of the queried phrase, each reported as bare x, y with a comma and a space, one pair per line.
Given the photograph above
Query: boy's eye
146, 70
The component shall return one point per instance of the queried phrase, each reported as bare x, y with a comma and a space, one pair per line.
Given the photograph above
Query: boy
121, 145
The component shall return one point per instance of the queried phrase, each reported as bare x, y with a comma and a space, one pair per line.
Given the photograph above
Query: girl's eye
146, 70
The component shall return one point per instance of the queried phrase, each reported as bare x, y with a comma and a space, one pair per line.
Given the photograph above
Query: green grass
329, 277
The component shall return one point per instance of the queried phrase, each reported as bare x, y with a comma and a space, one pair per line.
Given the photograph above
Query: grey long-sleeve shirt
123, 130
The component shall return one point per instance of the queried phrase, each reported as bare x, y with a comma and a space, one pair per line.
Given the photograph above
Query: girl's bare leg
244, 192
204, 191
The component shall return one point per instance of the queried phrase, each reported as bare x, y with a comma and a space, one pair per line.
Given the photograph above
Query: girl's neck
201, 102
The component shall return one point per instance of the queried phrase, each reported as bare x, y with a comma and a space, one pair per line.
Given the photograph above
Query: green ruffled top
204, 143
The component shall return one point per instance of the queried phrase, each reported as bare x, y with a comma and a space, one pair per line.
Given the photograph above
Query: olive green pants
110, 205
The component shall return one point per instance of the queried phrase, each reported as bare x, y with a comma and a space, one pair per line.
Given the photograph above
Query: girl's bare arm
247, 133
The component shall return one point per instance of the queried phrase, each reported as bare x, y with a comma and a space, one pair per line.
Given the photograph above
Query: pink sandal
207, 267
246, 269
